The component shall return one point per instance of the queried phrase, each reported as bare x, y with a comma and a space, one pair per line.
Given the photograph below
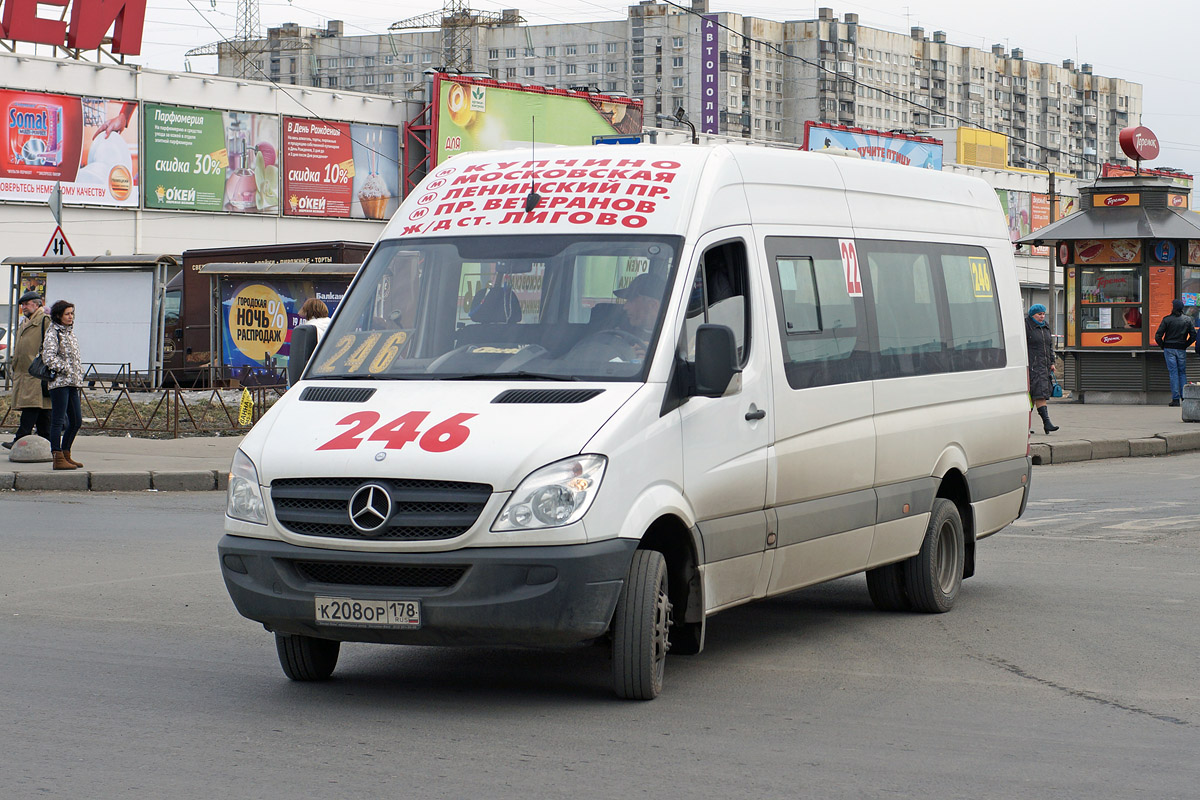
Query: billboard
481, 114
258, 316
88, 143
894, 148
339, 169
203, 160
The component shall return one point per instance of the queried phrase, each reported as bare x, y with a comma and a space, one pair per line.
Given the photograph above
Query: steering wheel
614, 340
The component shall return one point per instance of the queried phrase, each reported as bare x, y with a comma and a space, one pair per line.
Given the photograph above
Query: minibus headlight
244, 499
555, 495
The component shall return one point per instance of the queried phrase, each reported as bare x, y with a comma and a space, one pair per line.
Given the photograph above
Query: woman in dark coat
1040, 344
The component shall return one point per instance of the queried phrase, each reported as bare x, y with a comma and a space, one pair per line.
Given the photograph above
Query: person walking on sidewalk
29, 396
1175, 333
60, 352
1040, 343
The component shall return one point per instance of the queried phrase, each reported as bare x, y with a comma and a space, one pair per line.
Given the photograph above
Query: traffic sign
59, 246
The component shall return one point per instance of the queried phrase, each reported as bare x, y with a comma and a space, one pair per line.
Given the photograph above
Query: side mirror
304, 341
716, 360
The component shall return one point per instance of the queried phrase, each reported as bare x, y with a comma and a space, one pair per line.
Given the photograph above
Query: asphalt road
1066, 670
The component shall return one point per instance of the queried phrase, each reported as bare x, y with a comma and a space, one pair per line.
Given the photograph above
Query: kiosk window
1110, 298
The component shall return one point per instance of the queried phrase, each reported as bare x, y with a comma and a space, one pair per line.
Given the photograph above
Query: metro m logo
90, 21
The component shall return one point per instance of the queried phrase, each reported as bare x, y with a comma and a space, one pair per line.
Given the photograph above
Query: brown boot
60, 461
67, 456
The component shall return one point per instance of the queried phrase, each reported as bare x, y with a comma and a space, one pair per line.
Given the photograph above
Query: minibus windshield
502, 307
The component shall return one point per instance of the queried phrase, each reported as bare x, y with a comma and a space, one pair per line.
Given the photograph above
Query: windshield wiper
522, 375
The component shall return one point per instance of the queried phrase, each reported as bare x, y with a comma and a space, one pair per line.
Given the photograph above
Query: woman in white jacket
314, 312
60, 352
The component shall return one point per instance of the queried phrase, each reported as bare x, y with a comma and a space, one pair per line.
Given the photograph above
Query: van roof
677, 189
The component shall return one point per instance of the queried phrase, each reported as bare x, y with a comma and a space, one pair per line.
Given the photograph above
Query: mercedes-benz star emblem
370, 508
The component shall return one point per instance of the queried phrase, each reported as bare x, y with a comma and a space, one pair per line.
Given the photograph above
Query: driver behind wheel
642, 297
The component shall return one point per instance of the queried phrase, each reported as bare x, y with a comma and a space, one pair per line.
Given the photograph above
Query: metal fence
116, 406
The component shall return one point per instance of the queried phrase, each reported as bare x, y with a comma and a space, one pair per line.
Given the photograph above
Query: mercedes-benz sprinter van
606, 394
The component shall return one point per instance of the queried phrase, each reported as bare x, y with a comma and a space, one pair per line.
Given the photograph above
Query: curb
1067, 451
79, 481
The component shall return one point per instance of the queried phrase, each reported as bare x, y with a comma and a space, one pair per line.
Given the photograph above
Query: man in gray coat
27, 396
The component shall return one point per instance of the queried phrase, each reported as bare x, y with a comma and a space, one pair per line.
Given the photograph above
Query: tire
641, 629
887, 590
934, 575
305, 658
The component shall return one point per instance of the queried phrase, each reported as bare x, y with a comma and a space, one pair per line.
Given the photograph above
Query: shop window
1107, 295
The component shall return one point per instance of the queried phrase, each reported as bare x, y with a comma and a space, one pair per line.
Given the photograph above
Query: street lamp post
1050, 304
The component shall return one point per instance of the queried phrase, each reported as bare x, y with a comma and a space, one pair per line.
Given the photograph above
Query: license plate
368, 613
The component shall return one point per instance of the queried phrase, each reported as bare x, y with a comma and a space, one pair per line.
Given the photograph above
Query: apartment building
774, 76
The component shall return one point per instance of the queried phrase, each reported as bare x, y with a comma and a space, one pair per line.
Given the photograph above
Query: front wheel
933, 576
305, 658
641, 629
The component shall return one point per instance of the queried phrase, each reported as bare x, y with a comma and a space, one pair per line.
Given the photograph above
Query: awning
276, 268
70, 263
1119, 223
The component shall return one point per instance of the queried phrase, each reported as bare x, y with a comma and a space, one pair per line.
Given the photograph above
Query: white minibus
603, 395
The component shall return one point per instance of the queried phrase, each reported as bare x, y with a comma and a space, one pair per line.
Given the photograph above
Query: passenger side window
907, 324
924, 308
720, 297
976, 337
823, 343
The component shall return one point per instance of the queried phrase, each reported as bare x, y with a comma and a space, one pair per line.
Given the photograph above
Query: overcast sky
1152, 42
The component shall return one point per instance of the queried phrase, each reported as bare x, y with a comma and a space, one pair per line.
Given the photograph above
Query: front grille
421, 510
398, 576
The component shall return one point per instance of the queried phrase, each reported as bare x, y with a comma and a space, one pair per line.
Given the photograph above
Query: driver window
720, 296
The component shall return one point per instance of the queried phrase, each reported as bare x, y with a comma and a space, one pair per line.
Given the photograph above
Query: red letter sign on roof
90, 20
21, 22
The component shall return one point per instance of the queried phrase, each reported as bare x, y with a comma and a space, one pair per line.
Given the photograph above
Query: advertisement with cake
340, 169
89, 144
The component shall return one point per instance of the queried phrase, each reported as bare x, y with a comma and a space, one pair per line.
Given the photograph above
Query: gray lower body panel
529, 596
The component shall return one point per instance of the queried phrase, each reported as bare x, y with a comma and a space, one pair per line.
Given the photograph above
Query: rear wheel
933, 576
886, 586
641, 629
305, 658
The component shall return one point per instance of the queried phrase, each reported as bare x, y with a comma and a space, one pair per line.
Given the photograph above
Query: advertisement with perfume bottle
204, 160
338, 169
87, 143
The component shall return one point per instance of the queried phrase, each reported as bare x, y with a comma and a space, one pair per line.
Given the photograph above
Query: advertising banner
1040, 218
479, 115
710, 75
910, 151
1108, 251
203, 160
88, 143
338, 169
1018, 207
259, 315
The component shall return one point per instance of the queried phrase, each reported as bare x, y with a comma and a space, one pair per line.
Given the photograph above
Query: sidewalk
201, 463
1101, 431
114, 463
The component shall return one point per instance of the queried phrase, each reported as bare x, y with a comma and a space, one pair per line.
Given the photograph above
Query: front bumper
533, 596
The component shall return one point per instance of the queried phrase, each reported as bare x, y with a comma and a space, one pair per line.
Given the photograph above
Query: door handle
755, 413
